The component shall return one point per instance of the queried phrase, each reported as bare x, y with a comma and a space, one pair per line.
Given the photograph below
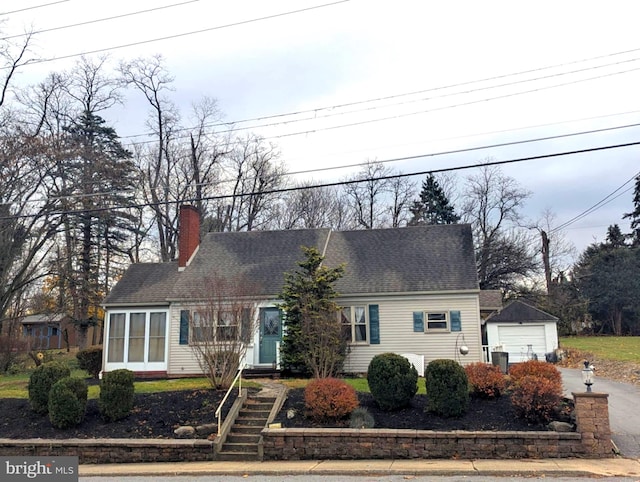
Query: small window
202, 329
353, 320
437, 321
227, 326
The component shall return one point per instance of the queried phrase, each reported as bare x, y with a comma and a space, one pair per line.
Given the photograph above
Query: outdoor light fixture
461, 347
587, 375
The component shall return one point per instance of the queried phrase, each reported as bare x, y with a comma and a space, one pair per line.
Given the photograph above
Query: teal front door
270, 334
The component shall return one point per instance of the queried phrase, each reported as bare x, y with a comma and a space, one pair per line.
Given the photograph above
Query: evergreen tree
433, 207
312, 340
96, 180
635, 215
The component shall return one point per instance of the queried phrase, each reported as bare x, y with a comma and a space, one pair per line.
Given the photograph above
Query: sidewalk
619, 467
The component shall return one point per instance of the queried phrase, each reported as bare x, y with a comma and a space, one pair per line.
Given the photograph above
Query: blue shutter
374, 324
418, 321
456, 323
184, 327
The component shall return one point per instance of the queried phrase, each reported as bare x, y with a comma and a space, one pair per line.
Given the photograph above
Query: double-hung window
437, 321
354, 323
227, 326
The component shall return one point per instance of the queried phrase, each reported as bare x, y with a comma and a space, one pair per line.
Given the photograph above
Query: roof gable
520, 312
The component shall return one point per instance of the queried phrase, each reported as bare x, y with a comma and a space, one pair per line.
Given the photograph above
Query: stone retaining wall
592, 439
105, 451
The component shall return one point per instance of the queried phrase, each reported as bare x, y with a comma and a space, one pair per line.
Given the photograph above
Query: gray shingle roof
413, 259
259, 256
144, 283
518, 311
418, 259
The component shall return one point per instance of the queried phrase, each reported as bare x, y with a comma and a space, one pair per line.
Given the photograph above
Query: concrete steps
243, 438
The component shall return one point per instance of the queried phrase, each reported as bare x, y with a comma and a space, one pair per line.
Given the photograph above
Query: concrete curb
619, 467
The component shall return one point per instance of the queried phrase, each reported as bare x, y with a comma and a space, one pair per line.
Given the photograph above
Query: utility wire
105, 19
360, 164
434, 89
34, 7
337, 183
399, 116
185, 34
608, 198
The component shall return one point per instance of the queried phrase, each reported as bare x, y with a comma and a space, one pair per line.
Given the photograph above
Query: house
405, 290
522, 331
48, 331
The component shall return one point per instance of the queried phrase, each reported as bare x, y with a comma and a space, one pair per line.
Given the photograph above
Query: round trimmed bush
447, 388
68, 402
40, 383
534, 368
485, 381
393, 381
116, 395
90, 359
329, 398
536, 398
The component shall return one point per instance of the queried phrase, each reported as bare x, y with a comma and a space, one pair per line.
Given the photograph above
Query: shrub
485, 381
534, 368
68, 402
361, 418
329, 398
116, 395
40, 383
90, 359
447, 388
393, 381
536, 398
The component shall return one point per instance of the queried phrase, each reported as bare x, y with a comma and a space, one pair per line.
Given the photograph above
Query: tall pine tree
95, 181
433, 207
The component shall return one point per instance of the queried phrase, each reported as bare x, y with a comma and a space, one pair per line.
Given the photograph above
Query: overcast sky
387, 79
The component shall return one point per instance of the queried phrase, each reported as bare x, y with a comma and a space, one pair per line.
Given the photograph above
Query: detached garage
523, 331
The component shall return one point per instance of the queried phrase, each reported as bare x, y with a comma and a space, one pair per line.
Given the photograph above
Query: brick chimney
188, 234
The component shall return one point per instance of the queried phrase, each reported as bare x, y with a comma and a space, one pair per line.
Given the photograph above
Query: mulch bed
483, 415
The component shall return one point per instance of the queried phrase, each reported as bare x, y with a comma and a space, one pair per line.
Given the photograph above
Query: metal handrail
238, 379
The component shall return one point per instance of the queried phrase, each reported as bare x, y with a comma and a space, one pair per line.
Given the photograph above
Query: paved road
624, 402
347, 478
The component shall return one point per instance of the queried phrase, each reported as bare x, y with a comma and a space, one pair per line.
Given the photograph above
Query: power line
185, 34
339, 183
407, 114
34, 7
397, 159
607, 199
434, 89
105, 19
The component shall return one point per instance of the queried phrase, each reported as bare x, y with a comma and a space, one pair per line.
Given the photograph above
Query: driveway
624, 400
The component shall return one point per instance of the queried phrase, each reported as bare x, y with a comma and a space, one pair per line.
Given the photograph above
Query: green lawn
619, 348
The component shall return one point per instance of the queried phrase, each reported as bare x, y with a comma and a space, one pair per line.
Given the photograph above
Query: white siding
397, 335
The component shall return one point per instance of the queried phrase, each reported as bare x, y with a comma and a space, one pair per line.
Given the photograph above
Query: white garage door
517, 338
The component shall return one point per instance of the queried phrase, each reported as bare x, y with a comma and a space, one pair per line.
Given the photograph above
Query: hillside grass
615, 348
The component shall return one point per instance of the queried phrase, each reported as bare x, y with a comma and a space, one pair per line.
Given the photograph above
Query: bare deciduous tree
492, 205
367, 191
222, 326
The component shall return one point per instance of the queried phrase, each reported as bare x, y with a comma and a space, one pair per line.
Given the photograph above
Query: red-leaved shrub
486, 381
535, 398
534, 368
329, 398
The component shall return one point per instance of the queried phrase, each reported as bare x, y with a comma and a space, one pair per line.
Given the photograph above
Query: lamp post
587, 375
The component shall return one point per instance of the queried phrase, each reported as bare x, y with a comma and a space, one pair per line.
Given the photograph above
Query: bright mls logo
51, 469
